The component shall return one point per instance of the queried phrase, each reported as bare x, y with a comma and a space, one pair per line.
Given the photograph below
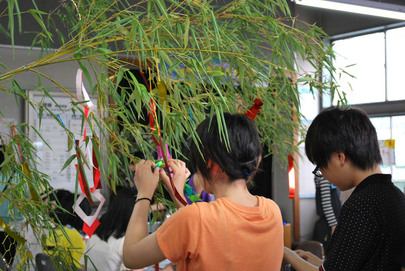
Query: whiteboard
51, 161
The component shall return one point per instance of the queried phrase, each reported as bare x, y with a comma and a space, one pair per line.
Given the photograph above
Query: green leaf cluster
210, 59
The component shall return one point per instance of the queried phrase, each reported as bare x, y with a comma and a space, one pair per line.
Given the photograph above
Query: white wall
308, 214
309, 108
63, 73
13, 107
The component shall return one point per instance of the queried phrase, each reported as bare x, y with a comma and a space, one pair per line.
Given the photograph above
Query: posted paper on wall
387, 150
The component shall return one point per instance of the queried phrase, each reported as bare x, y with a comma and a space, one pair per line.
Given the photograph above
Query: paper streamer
18, 238
160, 152
82, 177
81, 90
92, 161
176, 193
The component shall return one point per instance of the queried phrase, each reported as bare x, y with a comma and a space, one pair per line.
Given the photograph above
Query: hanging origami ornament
90, 222
190, 193
254, 109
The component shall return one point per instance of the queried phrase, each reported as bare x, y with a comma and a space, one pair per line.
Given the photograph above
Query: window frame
378, 109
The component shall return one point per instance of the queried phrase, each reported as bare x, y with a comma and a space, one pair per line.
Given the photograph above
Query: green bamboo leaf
11, 20
186, 38
68, 161
70, 141
120, 75
186, 31
103, 50
40, 136
241, 70
162, 6
40, 114
36, 14
217, 73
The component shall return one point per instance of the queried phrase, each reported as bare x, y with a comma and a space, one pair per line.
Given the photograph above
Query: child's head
115, 220
67, 216
238, 159
346, 130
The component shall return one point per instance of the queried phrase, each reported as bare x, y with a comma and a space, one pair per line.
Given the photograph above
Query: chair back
44, 262
312, 246
3, 263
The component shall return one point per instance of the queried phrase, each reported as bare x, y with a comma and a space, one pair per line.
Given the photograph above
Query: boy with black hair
370, 234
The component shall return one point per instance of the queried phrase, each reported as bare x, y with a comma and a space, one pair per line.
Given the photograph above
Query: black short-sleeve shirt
370, 234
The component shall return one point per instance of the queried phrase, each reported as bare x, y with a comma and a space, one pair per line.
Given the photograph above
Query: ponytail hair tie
246, 172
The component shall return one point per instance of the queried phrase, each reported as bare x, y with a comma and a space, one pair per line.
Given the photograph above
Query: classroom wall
62, 73
14, 108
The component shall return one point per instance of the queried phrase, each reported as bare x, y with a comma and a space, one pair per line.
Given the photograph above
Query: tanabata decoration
191, 195
254, 109
90, 222
155, 128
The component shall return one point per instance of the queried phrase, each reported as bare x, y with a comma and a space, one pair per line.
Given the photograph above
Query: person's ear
214, 168
342, 158
209, 163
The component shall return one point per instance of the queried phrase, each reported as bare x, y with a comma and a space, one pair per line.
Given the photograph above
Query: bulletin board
51, 160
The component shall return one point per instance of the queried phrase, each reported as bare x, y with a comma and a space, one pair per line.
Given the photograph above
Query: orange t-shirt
223, 235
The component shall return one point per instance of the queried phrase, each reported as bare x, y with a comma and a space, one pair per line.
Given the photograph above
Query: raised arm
141, 249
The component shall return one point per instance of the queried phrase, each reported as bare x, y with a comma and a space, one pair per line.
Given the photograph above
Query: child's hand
146, 178
179, 177
309, 257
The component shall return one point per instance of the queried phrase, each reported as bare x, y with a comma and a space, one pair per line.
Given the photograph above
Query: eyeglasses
317, 172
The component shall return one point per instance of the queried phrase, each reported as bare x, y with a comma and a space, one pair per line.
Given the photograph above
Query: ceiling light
354, 8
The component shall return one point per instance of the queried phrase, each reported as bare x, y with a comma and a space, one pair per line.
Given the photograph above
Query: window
364, 58
376, 62
393, 128
395, 64
375, 58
